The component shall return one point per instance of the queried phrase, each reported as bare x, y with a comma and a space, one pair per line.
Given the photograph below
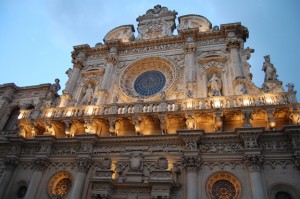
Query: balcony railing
162, 106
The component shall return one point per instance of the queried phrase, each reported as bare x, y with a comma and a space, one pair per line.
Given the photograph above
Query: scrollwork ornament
253, 162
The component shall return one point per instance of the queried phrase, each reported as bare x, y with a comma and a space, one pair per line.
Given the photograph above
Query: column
190, 66
190, 50
254, 163
191, 165
6, 99
111, 61
71, 82
10, 164
40, 164
68, 91
83, 165
233, 46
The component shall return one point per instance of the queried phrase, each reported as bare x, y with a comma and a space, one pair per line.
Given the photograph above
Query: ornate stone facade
156, 115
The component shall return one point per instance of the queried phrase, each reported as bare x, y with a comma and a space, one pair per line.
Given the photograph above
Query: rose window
149, 83
59, 185
223, 189
146, 78
223, 185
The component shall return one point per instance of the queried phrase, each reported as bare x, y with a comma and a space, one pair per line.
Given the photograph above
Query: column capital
189, 48
111, 58
293, 133
191, 138
11, 163
250, 137
233, 43
297, 160
191, 163
83, 164
253, 162
41, 163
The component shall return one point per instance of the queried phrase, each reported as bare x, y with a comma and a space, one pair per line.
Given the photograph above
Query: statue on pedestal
54, 89
88, 96
214, 86
269, 69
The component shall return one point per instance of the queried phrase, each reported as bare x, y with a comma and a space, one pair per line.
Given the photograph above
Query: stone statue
190, 123
290, 87
214, 86
54, 89
163, 95
294, 117
269, 69
88, 96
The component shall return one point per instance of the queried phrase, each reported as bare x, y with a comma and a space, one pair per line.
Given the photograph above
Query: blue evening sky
37, 36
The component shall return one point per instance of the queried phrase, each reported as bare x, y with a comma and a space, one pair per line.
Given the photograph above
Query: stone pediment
156, 23
124, 33
194, 21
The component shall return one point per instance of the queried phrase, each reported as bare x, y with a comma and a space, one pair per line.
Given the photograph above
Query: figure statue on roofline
269, 69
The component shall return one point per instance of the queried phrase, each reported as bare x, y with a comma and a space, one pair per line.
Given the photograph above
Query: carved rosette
191, 164
83, 164
253, 162
11, 163
41, 163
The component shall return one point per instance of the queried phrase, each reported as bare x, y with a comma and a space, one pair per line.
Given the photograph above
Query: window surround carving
227, 177
56, 181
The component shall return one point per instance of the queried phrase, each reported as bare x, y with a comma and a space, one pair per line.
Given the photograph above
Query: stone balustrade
218, 102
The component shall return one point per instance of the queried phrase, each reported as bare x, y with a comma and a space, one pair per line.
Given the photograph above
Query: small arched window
12, 120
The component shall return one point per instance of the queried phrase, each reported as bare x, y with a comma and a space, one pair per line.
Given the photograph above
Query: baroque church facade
158, 116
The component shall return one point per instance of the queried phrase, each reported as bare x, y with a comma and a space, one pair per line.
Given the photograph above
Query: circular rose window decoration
147, 78
149, 83
223, 185
60, 184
